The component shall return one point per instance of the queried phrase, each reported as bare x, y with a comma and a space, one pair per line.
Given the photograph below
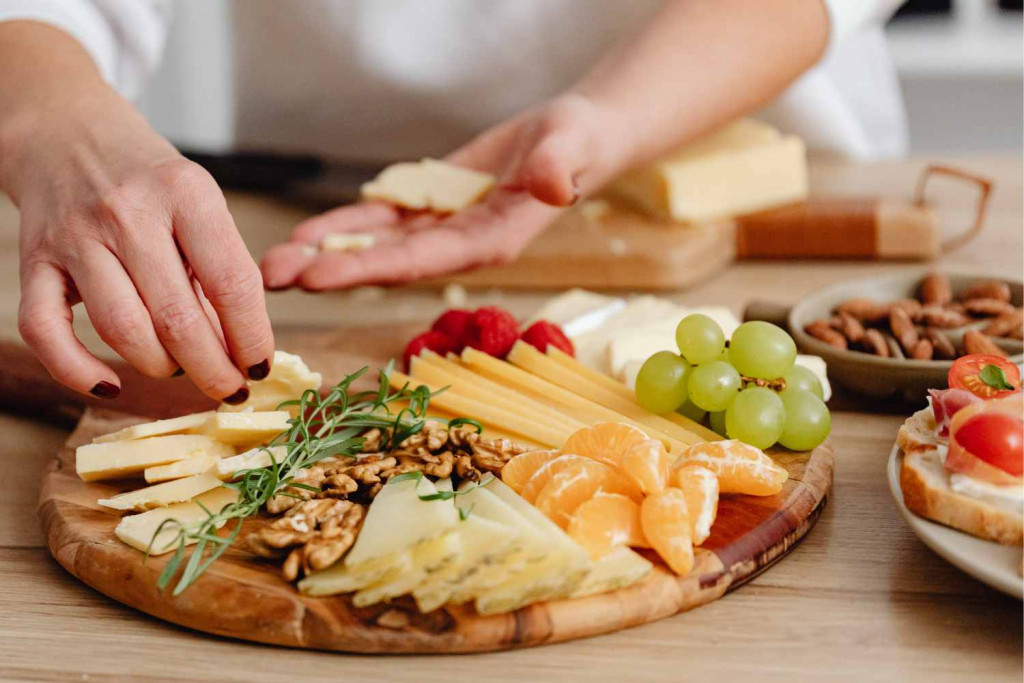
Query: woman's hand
544, 159
113, 216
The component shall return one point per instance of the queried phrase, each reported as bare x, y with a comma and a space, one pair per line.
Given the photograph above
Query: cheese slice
743, 167
162, 495
429, 185
592, 346
620, 568
254, 459
347, 241
186, 424
139, 530
118, 459
289, 378
180, 469
427, 558
247, 429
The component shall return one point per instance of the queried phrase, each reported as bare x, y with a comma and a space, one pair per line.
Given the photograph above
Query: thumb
551, 169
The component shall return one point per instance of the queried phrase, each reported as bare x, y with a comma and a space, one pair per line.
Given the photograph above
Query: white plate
992, 563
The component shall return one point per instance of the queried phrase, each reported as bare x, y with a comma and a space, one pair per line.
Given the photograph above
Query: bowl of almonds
898, 335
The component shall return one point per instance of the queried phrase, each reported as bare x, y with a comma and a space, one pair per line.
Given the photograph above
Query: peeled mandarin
606, 521
519, 469
700, 486
647, 464
604, 441
741, 468
543, 474
665, 520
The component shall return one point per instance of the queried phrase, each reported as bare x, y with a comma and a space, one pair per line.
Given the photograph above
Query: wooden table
860, 599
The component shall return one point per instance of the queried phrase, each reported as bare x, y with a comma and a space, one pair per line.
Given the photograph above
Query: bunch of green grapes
716, 381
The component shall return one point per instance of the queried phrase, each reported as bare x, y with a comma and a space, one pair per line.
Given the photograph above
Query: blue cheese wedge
139, 531
119, 459
162, 495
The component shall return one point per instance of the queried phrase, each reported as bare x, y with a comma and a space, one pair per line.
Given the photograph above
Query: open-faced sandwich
962, 463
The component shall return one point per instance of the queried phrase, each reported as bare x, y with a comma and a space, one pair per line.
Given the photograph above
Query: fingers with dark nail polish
259, 371
105, 390
239, 396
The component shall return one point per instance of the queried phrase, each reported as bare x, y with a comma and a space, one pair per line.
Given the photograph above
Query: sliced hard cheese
341, 579
620, 568
118, 459
744, 167
289, 378
429, 185
138, 530
247, 429
427, 558
190, 424
254, 459
162, 495
180, 469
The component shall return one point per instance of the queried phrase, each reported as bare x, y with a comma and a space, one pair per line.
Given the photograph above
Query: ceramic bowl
872, 375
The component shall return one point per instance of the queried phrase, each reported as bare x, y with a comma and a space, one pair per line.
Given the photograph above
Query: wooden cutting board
242, 596
623, 249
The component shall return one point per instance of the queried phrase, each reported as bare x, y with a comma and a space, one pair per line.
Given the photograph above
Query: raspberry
456, 323
493, 331
542, 334
438, 342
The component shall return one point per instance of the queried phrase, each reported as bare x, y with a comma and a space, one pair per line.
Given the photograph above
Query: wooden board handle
26, 388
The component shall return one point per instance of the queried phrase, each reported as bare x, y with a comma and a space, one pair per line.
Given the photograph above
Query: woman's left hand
544, 159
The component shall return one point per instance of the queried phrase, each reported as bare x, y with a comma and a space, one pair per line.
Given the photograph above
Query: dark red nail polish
179, 372
259, 371
238, 397
105, 390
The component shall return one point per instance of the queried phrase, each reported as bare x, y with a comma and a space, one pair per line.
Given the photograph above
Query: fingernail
575, 191
238, 397
179, 372
105, 390
259, 371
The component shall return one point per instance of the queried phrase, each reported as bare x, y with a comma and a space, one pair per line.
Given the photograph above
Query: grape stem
773, 384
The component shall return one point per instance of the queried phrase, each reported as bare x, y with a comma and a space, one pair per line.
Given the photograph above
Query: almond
865, 310
935, 316
903, 328
942, 348
822, 330
976, 342
912, 307
1005, 324
986, 308
874, 342
987, 289
922, 350
936, 289
850, 327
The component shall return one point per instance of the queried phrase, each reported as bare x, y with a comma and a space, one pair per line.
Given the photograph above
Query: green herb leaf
459, 421
993, 376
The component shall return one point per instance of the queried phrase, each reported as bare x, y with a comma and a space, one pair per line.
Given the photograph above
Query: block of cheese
254, 459
186, 424
743, 167
162, 495
180, 469
347, 241
247, 429
289, 378
119, 459
592, 346
429, 185
578, 311
139, 531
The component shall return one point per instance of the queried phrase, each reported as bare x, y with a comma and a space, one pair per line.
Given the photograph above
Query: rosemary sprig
325, 427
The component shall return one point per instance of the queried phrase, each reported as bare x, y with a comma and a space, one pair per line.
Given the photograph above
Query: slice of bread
918, 433
926, 492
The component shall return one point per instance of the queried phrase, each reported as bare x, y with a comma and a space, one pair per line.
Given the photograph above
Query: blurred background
960, 63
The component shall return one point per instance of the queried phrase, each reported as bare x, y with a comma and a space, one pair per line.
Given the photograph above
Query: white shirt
381, 80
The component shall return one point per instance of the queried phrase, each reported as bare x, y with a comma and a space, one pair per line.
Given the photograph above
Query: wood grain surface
861, 598
244, 597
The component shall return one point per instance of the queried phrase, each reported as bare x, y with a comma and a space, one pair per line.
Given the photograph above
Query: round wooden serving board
244, 597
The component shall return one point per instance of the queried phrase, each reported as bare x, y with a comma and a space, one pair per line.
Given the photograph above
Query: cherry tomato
996, 438
973, 374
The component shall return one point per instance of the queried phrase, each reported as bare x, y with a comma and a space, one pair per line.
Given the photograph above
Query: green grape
691, 411
661, 382
800, 377
807, 420
760, 349
717, 421
725, 355
713, 385
700, 339
756, 416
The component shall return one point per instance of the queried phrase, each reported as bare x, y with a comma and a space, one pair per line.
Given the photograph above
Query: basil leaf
993, 376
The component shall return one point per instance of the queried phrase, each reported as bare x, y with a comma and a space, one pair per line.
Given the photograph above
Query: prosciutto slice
946, 403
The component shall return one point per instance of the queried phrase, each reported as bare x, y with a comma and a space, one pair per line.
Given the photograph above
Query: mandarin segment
741, 468
665, 520
604, 441
606, 521
519, 469
700, 486
647, 465
571, 487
